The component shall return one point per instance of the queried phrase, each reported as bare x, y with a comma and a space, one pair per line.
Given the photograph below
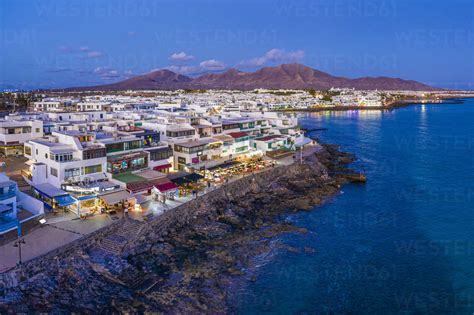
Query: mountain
156, 80
285, 76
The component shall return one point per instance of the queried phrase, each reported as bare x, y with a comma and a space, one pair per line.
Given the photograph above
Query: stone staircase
113, 244
131, 228
22, 184
116, 242
133, 278
137, 280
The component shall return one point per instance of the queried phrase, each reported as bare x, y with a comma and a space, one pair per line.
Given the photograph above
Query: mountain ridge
283, 76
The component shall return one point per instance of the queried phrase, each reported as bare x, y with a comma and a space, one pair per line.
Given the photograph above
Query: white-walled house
124, 152
78, 116
47, 105
13, 134
66, 157
196, 153
271, 143
92, 106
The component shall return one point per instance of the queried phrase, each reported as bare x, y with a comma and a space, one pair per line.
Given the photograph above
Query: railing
8, 225
7, 195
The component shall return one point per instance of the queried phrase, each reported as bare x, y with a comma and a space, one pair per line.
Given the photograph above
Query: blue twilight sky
61, 43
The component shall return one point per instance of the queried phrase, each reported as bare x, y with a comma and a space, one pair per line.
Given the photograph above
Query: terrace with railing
7, 190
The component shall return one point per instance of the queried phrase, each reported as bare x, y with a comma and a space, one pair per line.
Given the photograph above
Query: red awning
139, 186
161, 167
237, 135
166, 186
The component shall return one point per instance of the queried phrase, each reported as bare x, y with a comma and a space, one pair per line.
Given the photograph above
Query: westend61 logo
27, 37
357, 62
435, 38
88, 8
450, 302
336, 8
211, 37
416, 247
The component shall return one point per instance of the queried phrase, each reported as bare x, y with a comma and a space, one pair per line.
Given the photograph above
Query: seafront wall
206, 204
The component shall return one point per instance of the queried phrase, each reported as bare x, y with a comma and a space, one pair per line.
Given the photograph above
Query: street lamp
18, 244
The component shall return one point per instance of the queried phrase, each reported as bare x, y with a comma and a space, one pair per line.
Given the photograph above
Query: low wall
31, 204
206, 204
30, 267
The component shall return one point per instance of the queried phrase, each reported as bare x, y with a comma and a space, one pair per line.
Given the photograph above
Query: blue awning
64, 201
87, 197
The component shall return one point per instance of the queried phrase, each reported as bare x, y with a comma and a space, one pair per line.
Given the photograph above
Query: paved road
49, 237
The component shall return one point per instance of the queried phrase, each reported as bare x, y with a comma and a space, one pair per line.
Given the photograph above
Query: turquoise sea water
401, 244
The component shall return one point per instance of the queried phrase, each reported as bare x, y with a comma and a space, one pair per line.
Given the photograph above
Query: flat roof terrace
192, 144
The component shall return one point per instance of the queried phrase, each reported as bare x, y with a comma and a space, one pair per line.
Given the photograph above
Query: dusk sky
87, 42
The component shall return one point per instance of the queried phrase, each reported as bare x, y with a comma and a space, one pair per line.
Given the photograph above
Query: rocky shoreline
183, 262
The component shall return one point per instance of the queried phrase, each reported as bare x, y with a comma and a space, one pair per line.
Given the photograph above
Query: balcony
7, 224
9, 194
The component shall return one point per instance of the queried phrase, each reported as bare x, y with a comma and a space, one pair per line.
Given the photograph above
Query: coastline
390, 106
184, 260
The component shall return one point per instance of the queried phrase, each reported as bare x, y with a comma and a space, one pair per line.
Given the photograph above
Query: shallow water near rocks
402, 243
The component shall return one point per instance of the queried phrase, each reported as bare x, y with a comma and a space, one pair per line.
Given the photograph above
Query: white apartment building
47, 105
13, 134
124, 152
370, 100
75, 117
172, 133
66, 157
92, 106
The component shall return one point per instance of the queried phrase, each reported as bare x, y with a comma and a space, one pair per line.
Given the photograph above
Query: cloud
83, 51
182, 56
128, 74
274, 55
131, 33
106, 73
94, 54
204, 66
212, 65
183, 69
